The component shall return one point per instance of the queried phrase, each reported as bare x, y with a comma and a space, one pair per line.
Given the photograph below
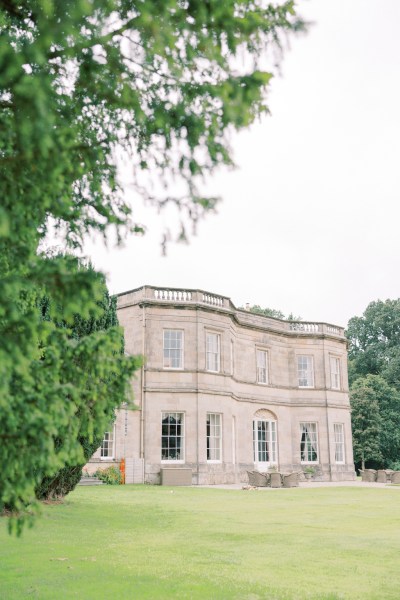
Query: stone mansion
223, 391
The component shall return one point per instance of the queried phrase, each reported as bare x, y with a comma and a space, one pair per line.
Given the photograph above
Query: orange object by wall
122, 470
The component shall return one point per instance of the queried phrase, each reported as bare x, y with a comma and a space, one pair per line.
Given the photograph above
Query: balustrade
198, 296
173, 295
303, 326
333, 329
214, 300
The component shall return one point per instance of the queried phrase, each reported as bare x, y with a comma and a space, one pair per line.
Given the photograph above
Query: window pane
212, 352
308, 442
305, 371
173, 349
107, 445
262, 371
172, 436
264, 441
335, 372
214, 437
339, 442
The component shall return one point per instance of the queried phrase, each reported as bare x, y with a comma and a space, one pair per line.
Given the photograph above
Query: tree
272, 312
366, 422
63, 402
82, 81
375, 341
387, 399
374, 353
64, 480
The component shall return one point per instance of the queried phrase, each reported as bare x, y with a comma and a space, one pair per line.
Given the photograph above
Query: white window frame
309, 445
338, 430
335, 368
171, 437
305, 372
214, 437
262, 371
107, 445
213, 352
168, 348
265, 446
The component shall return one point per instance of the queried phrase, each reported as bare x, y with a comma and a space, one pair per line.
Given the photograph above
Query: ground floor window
107, 445
338, 429
214, 437
172, 436
308, 442
264, 441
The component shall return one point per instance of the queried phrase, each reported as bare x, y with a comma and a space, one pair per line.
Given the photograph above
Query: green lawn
138, 542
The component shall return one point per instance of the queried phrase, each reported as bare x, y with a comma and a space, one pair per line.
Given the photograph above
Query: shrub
310, 470
110, 476
395, 465
58, 486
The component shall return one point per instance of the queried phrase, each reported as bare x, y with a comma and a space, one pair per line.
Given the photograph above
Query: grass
134, 542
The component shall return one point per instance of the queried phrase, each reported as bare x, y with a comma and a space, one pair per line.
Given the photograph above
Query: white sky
310, 219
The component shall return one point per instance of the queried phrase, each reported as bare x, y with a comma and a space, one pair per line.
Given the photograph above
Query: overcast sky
310, 219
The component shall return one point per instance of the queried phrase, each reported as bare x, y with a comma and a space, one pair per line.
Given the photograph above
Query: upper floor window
107, 445
172, 436
338, 429
214, 437
173, 349
262, 366
335, 372
308, 442
213, 352
305, 371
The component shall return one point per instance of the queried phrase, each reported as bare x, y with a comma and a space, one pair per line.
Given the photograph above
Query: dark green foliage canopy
64, 480
375, 341
374, 373
366, 421
62, 401
83, 82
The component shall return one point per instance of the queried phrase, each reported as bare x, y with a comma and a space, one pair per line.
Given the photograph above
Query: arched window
265, 445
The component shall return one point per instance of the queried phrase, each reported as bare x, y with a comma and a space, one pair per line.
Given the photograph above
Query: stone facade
223, 390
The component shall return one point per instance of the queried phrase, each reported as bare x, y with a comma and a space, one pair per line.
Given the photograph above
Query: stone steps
90, 481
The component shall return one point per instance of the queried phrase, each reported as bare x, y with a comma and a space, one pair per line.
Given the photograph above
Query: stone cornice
200, 300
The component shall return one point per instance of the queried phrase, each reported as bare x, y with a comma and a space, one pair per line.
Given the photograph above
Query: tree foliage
375, 341
82, 82
374, 369
64, 480
273, 312
61, 399
366, 422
